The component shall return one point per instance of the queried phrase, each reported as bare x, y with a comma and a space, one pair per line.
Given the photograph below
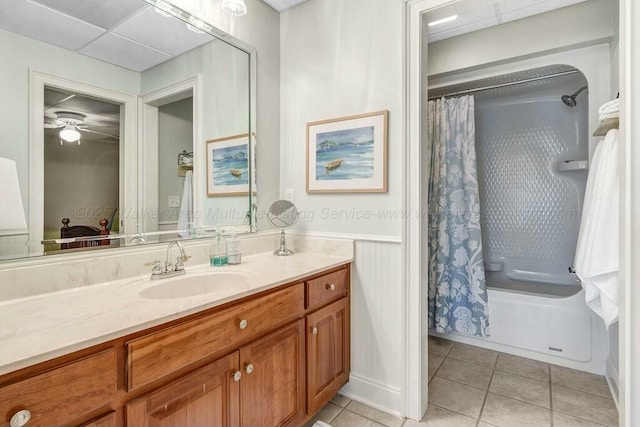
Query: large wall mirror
128, 124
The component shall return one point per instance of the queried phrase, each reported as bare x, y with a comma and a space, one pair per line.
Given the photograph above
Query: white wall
224, 104
20, 54
340, 58
175, 134
259, 28
566, 28
81, 182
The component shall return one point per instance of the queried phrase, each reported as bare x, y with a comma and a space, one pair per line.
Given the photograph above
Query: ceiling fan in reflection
70, 125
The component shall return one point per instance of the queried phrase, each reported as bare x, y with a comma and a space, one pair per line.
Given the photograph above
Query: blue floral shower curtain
457, 288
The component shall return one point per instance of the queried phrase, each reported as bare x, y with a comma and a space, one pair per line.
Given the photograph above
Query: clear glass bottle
233, 250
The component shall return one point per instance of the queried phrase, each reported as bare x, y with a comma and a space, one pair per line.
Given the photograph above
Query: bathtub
557, 329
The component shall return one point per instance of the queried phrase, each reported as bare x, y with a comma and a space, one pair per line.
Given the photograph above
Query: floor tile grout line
582, 391
551, 397
580, 418
466, 385
493, 371
435, 374
336, 416
472, 362
371, 419
522, 376
450, 410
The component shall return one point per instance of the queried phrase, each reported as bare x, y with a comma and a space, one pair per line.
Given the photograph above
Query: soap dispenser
219, 258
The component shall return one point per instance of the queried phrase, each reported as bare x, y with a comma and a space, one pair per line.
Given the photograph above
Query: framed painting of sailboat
348, 154
228, 166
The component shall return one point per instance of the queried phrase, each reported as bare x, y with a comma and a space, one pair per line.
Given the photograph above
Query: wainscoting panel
377, 325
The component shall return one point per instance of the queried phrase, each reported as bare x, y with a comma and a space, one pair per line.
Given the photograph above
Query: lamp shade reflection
12, 220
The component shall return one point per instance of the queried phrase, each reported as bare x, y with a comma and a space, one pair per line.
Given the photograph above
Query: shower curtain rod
532, 79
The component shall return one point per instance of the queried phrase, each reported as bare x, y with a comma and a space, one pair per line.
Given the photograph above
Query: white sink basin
193, 285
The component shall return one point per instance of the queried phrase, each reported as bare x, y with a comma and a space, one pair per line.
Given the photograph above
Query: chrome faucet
169, 269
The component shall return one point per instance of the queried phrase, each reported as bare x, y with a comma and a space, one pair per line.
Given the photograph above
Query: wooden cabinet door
206, 397
108, 420
272, 389
327, 353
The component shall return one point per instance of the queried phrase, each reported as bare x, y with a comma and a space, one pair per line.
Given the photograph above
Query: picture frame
228, 166
348, 154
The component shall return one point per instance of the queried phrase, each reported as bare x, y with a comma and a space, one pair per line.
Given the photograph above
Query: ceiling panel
466, 22
41, 23
474, 15
103, 13
125, 53
281, 5
166, 34
518, 9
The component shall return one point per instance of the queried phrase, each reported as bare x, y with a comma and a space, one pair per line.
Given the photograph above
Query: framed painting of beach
348, 154
228, 166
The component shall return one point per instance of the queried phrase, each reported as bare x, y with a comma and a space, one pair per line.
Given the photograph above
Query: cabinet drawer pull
249, 368
243, 324
331, 287
237, 376
314, 331
20, 418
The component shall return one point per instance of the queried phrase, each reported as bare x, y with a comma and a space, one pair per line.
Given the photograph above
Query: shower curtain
457, 288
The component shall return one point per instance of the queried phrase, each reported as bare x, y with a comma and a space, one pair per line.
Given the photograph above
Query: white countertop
43, 327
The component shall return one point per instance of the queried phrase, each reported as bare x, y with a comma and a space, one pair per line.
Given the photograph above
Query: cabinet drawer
65, 393
167, 351
327, 288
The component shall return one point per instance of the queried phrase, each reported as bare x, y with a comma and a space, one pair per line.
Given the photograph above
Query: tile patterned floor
475, 387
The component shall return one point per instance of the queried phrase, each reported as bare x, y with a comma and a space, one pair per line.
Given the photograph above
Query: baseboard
612, 380
372, 393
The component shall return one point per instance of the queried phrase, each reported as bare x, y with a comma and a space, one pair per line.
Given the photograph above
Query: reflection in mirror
81, 145
108, 107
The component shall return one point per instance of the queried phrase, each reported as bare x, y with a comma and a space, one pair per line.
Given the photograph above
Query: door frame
128, 151
414, 273
148, 134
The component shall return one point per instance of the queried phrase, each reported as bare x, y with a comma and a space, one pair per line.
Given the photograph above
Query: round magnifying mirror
282, 214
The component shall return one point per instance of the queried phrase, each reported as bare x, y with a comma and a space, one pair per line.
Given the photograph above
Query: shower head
570, 100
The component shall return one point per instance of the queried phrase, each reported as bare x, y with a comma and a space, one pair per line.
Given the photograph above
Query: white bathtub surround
561, 331
597, 256
42, 327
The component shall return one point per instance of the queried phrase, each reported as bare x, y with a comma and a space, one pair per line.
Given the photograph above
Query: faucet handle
157, 268
179, 265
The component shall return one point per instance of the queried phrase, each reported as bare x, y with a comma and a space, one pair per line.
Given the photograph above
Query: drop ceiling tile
457, 31
512, 10
125, 53
103, 13
33, 20
465, 20
165, 33
281, 5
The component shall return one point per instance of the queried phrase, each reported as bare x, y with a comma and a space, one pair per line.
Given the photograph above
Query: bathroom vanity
271, 355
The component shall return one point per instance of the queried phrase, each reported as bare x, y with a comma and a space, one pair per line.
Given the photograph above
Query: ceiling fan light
234, 7
70, 134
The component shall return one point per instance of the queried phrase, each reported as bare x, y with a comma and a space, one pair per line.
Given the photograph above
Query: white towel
597, 257
185, 218
609, 109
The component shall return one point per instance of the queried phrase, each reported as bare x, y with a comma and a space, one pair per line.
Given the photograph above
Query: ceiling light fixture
443, 20
70, 134
234, 7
